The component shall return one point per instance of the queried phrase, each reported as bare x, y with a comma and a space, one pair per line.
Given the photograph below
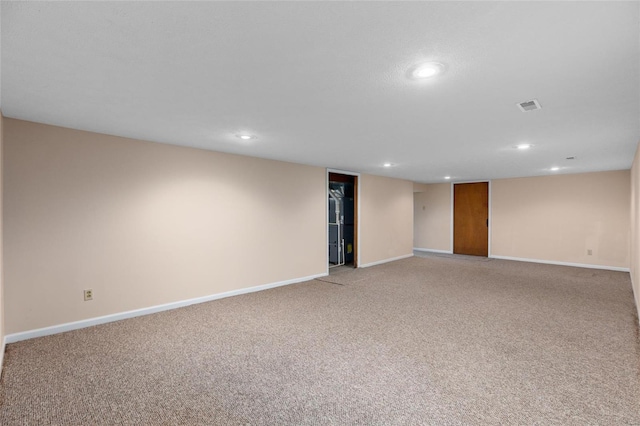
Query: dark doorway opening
343, 229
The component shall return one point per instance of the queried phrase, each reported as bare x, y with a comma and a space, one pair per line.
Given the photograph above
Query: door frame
356, 259
488, 181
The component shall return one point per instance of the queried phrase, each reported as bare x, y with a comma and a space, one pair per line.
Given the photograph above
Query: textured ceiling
325, 83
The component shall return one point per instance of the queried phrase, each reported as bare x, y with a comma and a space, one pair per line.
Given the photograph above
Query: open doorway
342, 220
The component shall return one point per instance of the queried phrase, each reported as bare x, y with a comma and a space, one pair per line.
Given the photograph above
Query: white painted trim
380, 262
472, 181
553, 262
326, 217
451, 221
432, 250
342, 172
2, 348
61, 328
635, 298
358, 245
490, 221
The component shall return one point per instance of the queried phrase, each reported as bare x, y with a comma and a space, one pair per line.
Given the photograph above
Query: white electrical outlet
589, 252
88, 295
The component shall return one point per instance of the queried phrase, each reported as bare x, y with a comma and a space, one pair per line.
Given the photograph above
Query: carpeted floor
425, 340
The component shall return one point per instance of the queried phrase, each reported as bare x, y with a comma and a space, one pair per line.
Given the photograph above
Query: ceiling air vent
531, 105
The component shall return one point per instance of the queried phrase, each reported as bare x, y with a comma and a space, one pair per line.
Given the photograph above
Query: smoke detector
527, 106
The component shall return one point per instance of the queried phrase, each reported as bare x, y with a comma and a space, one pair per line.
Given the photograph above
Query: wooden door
471, 218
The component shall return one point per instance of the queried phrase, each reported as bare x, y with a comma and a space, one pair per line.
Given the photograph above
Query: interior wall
432, 217
420, 187
634, 263
144, 224
386, 219
559, 218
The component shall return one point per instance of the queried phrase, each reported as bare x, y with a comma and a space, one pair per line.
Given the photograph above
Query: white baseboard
432, 250
553, 262
61, 328
2, 348
635, 297
380, 262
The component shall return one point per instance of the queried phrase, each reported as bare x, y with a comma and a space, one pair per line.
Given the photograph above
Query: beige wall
558, 218
386, 219
432, 217
144, 224
635, 228
420, 187
550, 218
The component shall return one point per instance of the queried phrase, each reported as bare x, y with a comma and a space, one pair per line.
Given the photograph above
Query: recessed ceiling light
447, 177
524, 146
554, 169
245, 137
387, 165
427, 70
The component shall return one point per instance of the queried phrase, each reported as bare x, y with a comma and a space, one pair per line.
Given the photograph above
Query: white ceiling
325, 83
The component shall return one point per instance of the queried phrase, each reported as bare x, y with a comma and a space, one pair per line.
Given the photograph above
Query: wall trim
635, 298
342, 172
61, 328
432, 250
553, 262
380, 262
2, 349
451, 206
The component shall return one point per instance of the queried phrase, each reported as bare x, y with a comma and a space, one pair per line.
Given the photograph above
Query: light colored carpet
434, 340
